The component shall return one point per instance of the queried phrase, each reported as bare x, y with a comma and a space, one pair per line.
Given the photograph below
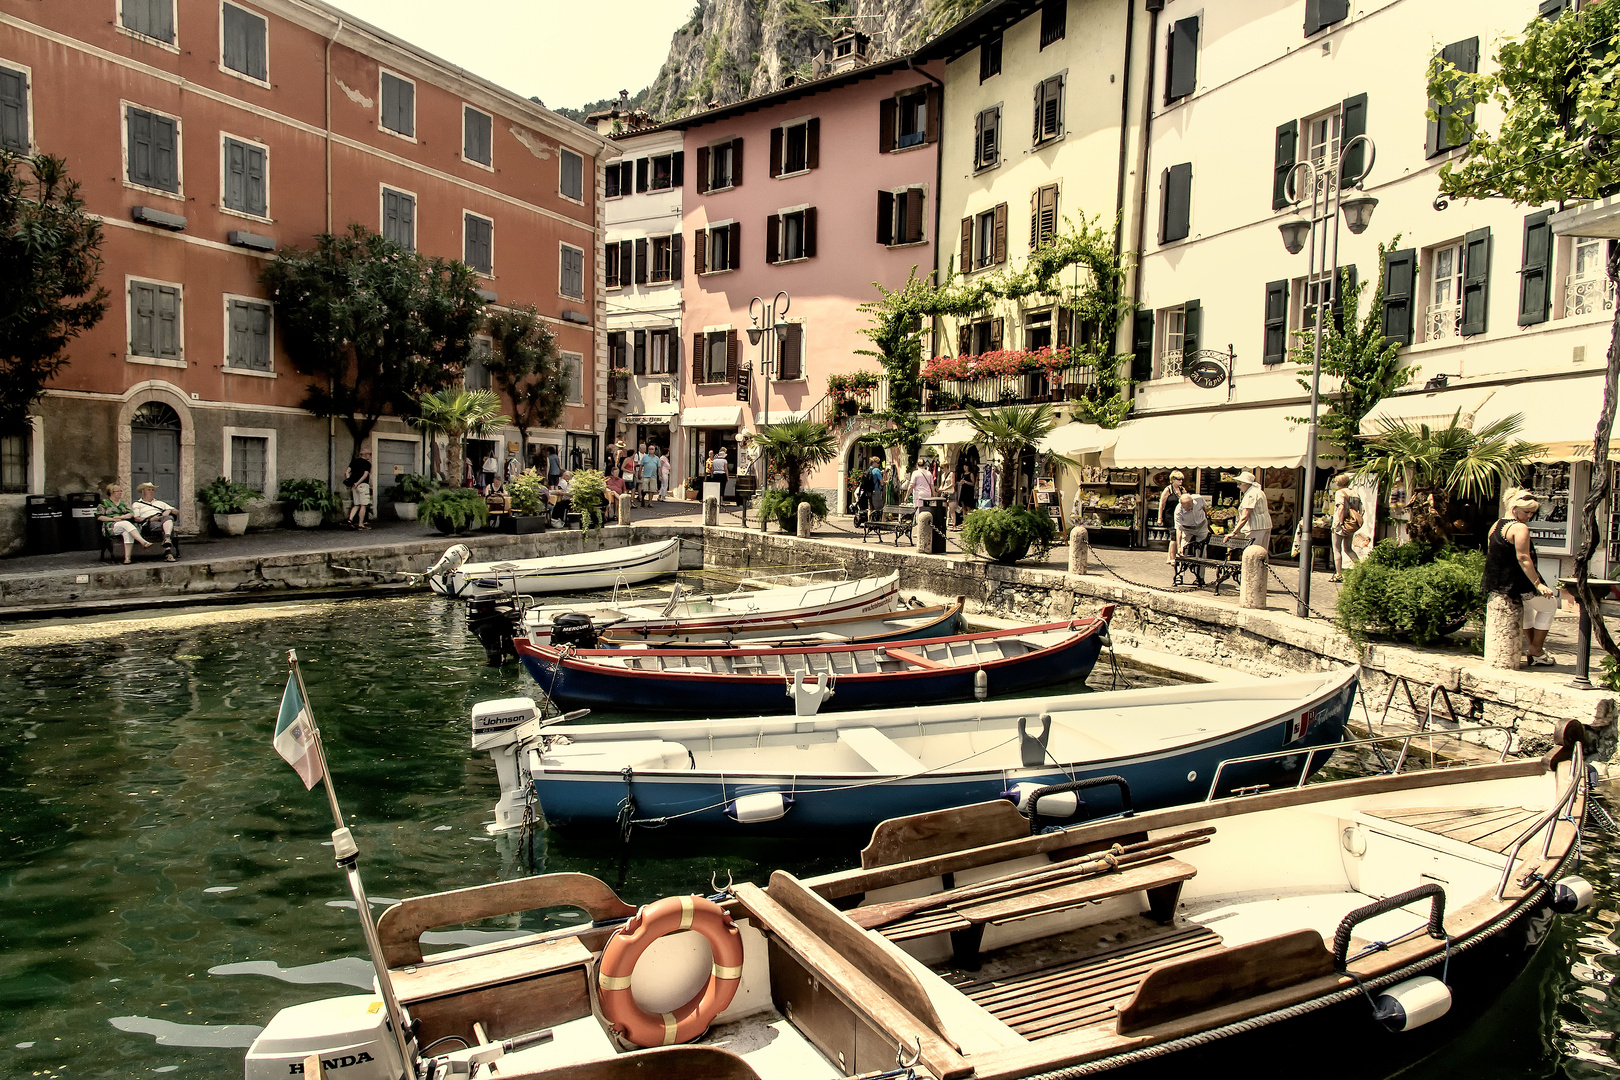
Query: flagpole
347, 854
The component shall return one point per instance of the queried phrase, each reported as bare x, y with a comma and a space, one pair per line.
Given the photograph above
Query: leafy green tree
796, 446
1367, 364
1008, 432
1556, 88
526, 369
50, 259
373, 324
457, 414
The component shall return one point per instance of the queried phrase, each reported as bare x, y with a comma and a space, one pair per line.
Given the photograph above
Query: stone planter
405, 511
308, 519
523, 523
231, 524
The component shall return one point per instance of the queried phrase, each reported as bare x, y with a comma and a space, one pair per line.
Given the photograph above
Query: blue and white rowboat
844, 771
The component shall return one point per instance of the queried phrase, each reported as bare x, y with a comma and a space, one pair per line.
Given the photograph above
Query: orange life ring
624, 948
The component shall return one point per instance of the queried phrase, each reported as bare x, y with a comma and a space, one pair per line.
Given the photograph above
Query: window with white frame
901, 216
1038, 329
398, 96
244, 42
1587, 288
248, 328
14, 447
154, 320
985, 230
661, 172
794, 236
911, 118
571, 282
1173, 323
790, 352
475, 373
658, 352
477, 128
987, 138
721, 248
1049, 108
1442, 313
15, 125
1322, 135
399, 217
478, 242
796, 147
152, 149
717, 350
663, 259
572, 175
574, 374
149, 18
244, 177
249, 458
722, 157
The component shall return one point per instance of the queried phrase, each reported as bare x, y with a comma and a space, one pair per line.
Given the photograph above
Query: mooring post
1504, 634
1079, 549
711, 511
1252, 591
625, 507
806, 517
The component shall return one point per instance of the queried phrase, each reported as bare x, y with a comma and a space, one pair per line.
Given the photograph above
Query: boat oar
876, 915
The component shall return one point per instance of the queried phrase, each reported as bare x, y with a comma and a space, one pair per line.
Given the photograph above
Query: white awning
951, 433
1239, 438
720, 416
1560, 414
1072, 439
1435, 408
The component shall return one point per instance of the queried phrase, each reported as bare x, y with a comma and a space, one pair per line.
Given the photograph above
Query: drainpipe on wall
1153, 7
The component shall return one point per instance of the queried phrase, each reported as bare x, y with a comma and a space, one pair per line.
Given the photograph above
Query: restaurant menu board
1552, 483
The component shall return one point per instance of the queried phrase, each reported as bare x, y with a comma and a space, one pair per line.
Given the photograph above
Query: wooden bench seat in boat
1494, 828
886, 756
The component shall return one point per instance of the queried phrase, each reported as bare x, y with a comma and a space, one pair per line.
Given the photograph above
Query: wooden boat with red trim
747, 680
1378, 916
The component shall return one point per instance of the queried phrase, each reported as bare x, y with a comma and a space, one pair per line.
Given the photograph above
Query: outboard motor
572, 628
495, 620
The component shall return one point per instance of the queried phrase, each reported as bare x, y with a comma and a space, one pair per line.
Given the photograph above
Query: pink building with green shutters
817, 190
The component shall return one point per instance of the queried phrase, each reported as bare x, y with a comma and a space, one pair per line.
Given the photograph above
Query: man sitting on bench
153, 515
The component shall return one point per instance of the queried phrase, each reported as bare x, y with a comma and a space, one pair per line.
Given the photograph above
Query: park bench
896, 521
1193, 567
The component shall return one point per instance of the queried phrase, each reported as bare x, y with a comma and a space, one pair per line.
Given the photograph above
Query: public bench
897, 521
1193, 565
112, 547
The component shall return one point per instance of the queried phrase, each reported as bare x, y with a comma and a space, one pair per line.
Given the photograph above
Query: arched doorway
154, 450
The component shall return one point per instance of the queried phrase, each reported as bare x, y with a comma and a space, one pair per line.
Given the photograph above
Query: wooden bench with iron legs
1223, 569
896, 521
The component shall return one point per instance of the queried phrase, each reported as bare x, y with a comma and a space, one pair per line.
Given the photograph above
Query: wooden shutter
1176, 203
1476, 280
641, 261
626, 267
1352, 161
259, 337
885, 217
1400, 285
142, 318
1142, 346
407, 221
773, 238
776, 152
932, 120
677, 169
675, 254
790, 367
1181, 65
166, 334
1276, 328
639, 356
1283, 164
256, 189
966, 256
1343, 282
610, 271
914, 216
964, 340
390, 215
478, 253
999, 254
243, 36
1551, 9
13, 110
1047, 213
700, 252
1464, 55
1192, 328
235, 175
736, 161
699, 361
1060, 325
475, 137
888, 109
1040, 98
812, 143
809, 232
702, 171
238, 347
731, 356
641, 174
997, 334
673, 363
735, 247
1324, 13
138, 123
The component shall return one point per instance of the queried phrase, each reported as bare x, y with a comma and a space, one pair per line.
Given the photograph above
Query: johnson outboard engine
573, 629
495, 619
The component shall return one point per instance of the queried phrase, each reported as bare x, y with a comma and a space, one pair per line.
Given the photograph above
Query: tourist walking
921, 484
1347, 519
875, 476
649, 476
1254, 516
663, 475
1511, 570
357, 477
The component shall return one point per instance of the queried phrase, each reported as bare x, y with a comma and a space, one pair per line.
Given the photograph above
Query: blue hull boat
744, 680
847, 772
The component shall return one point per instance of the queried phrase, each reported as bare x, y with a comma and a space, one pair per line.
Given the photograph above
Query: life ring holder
667, 916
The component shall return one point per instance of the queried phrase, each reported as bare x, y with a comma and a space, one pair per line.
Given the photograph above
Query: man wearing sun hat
1254, 517
150, 513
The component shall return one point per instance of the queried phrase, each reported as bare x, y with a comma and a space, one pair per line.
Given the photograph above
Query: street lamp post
763, 333
1326, 201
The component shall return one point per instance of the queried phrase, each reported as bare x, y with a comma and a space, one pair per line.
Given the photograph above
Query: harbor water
166, 883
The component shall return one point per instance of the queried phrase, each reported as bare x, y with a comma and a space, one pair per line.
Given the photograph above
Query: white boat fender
1062, 804
981, 685
1572, 894
1409, 1005
760, 807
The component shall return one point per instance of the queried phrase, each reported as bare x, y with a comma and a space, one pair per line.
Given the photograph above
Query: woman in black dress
1511, 571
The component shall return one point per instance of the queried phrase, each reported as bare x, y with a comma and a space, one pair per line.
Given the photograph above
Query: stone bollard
625, 509
806, 516
924, 531
1079, 549
711, 511
1252, 592
1504, 619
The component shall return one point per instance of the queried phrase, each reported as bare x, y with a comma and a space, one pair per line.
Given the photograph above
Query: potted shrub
1008, 535
454, 510
778, 505
229, 502
587, 494
309, 500
407, 492
529, 509
1411, 592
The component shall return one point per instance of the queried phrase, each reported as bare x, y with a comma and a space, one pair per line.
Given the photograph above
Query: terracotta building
209, 134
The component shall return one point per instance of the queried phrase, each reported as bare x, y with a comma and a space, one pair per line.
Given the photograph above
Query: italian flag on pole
295, 735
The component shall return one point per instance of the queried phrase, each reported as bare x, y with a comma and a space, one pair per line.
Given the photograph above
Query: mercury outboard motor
495, 620
572, 628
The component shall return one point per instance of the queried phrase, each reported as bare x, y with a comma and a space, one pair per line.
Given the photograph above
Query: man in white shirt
151, 513
1254, 516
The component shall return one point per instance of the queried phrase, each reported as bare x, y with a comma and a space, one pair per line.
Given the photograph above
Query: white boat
558, 573
722, 612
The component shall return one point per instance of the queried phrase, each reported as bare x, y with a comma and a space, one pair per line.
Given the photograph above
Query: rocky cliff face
733, 49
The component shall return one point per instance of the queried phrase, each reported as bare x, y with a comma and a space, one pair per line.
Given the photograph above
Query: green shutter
13, 110
1181, 67
1352, 160
1276, 323
1535, 278
1287, 154
167, 332
142, 318
243, 33
1192, 330
1176, 203
1400, 287
1476, 280
1142, 346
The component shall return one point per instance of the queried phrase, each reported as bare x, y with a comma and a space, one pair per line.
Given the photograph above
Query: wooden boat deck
1048, 999
1494, 828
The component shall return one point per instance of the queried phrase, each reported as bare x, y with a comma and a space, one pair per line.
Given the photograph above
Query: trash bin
44, 514
934, 542
80, 529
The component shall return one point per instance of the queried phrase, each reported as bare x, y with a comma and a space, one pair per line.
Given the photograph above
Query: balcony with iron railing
1588, 295
1443, 322
1050, 383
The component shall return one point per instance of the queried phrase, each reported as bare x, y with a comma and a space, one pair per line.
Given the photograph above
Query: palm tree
1008, 432
795, 446
1438, 465
457, 414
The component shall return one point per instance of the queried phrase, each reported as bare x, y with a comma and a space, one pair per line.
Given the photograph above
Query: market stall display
1111, 500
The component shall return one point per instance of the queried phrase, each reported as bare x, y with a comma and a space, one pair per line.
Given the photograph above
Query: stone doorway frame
180, 402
